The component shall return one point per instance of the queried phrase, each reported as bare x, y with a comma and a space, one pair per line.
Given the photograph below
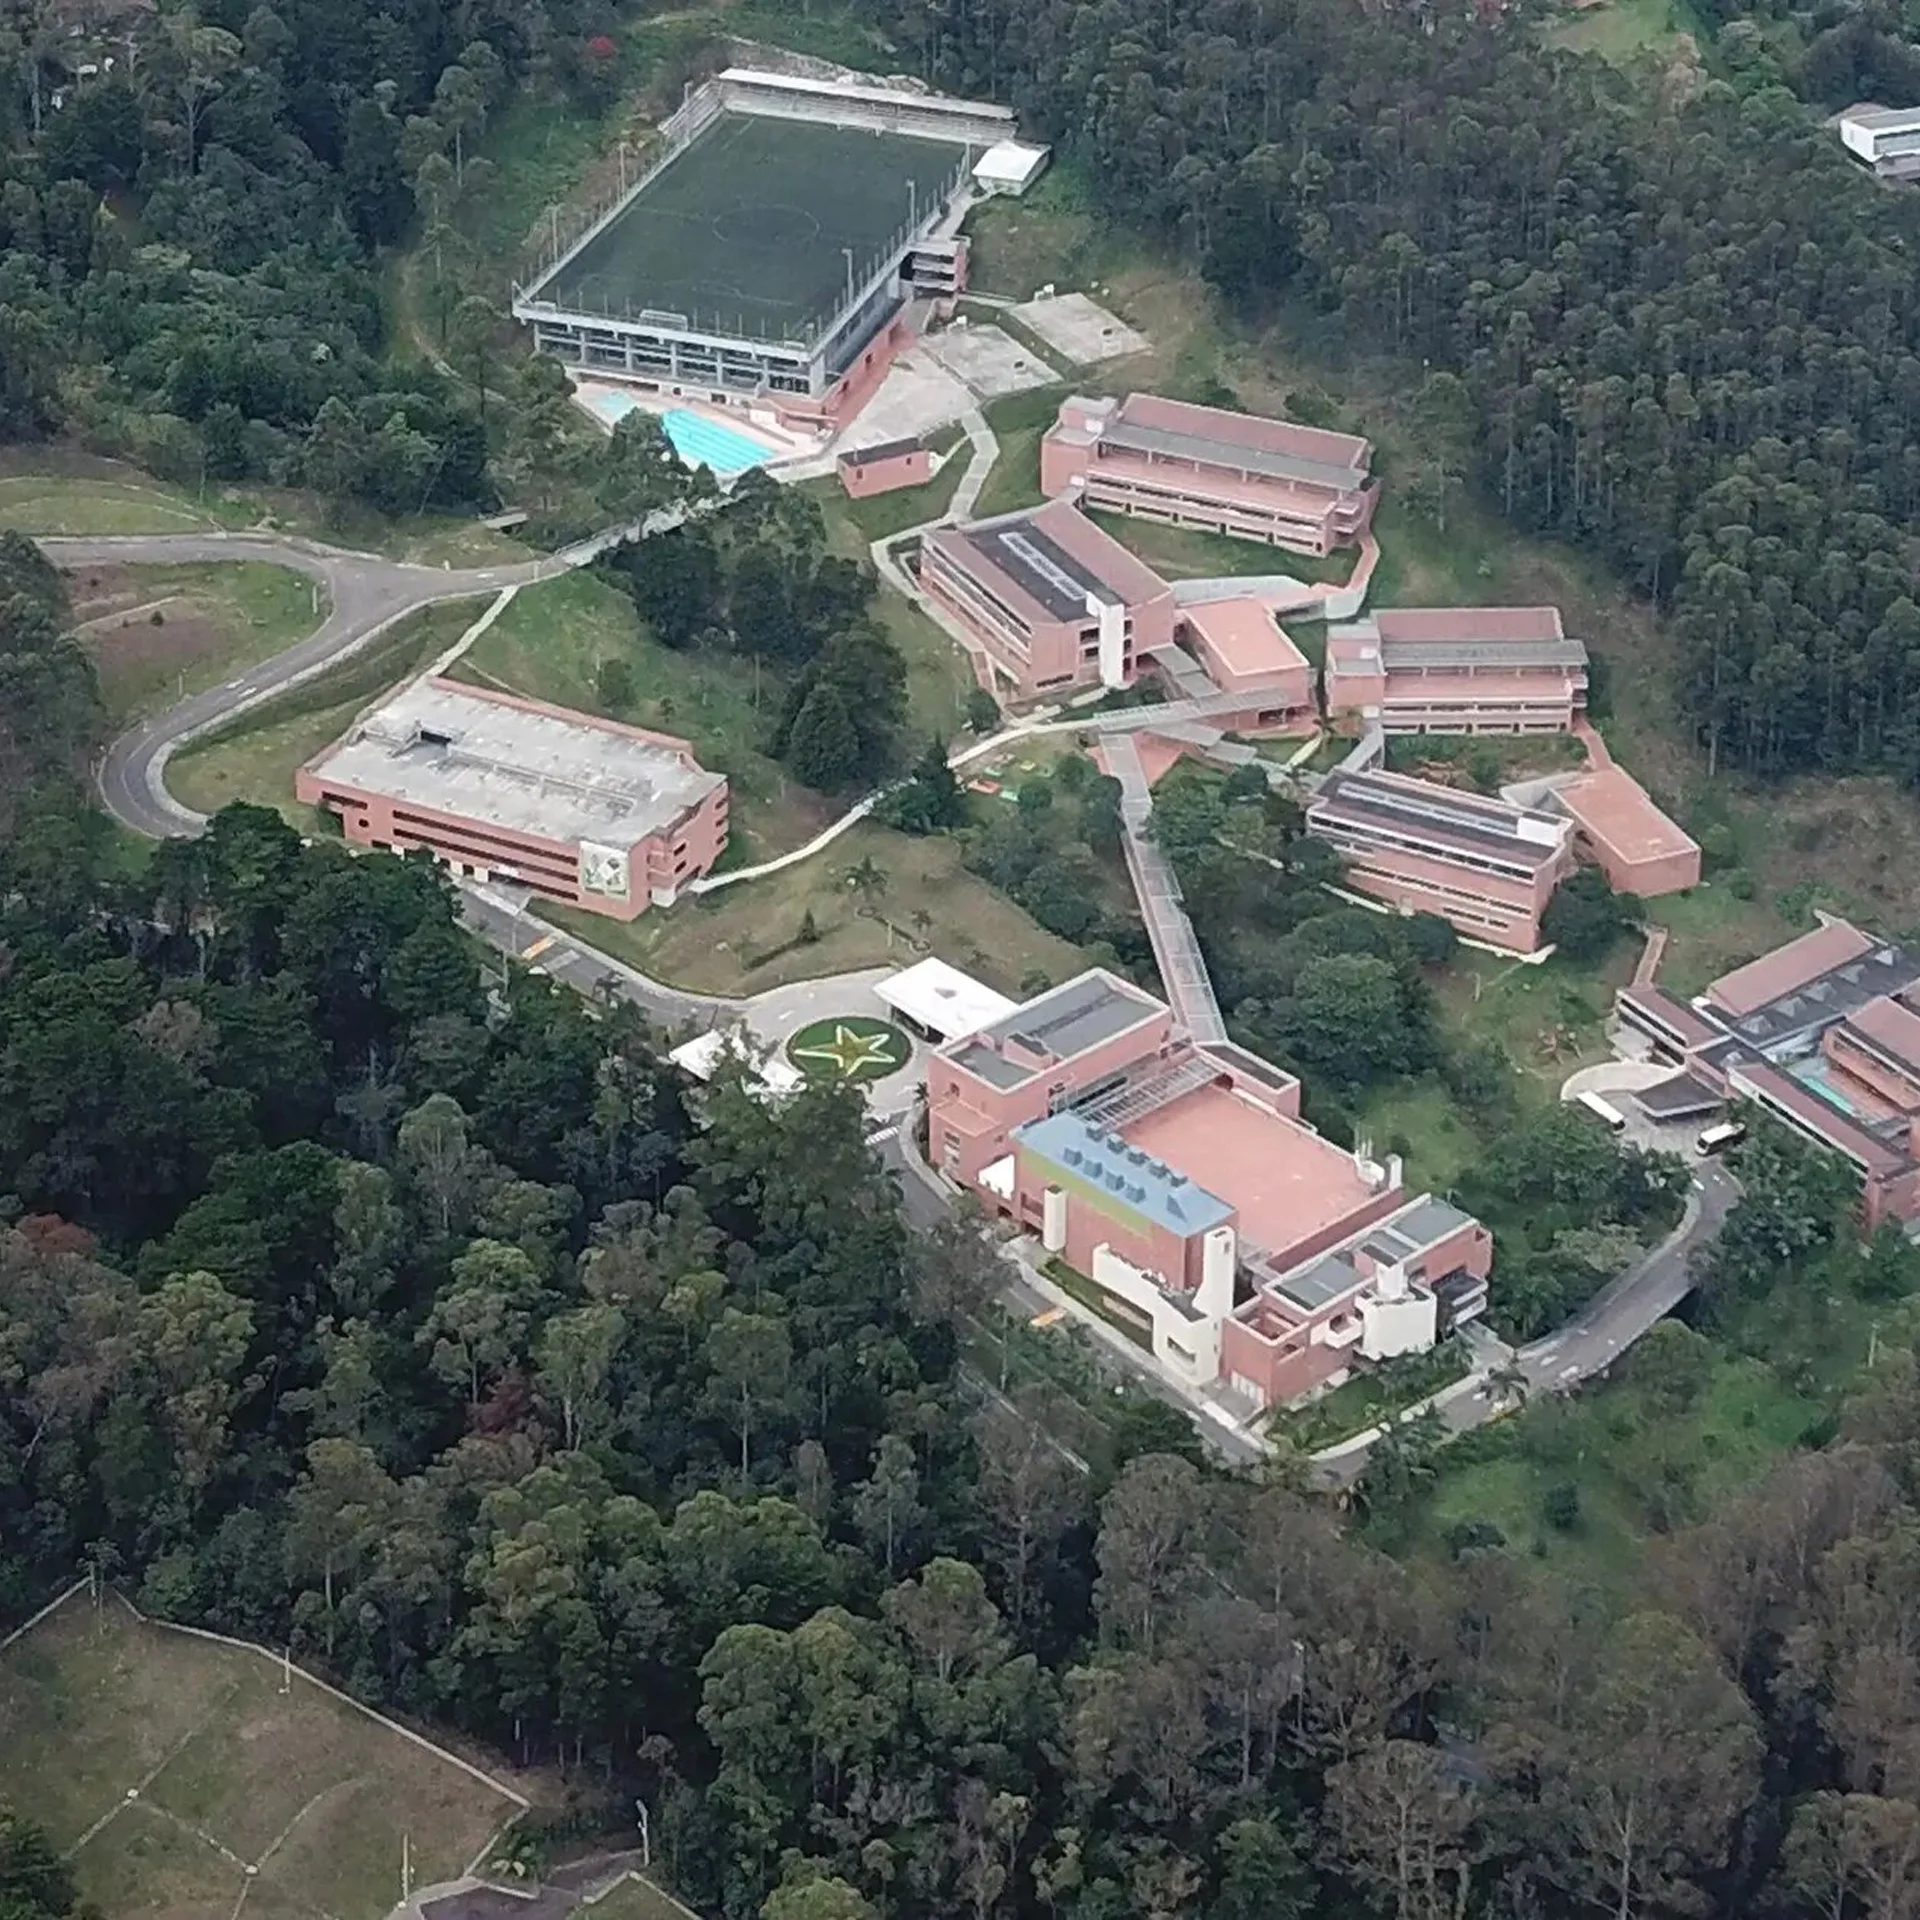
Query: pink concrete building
1824, 1035
865, 471
1634, 844
1487, 866
1242, 648
1049, 600
1227, 1236
1456, 670
572, 807
1231, 473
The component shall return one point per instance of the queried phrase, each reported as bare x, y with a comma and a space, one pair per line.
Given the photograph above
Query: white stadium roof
942, 1000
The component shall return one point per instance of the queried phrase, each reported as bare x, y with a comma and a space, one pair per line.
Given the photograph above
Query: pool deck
592, 395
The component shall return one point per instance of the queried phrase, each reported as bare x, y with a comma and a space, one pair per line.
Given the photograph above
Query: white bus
1605, 1112
1716, 1139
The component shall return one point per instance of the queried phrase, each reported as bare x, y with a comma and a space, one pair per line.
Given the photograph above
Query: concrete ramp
1176, 952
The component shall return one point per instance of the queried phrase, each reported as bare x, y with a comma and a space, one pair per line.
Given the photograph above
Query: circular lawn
849, 1047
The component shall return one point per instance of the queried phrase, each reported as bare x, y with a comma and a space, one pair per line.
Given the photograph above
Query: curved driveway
365, 593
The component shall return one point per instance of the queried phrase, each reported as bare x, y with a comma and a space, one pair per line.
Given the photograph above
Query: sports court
744, 230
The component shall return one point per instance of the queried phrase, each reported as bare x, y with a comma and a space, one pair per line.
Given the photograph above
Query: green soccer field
744, 231
177, 1774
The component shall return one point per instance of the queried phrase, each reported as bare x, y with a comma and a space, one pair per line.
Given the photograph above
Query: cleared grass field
159, 634
747, 938
184, 1783
255, 757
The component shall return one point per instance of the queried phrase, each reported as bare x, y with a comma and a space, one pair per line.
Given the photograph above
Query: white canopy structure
765, 1073
941, 1000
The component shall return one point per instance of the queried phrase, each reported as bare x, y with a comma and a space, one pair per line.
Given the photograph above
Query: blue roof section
1127, 1176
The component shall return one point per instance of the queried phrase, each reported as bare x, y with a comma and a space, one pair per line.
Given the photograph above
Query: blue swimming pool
1813, 1075
698, 441
707, 443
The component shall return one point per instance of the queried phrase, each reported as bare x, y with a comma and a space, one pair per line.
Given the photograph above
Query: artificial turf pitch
743, 231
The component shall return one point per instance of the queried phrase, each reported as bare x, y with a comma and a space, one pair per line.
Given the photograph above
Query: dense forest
351, 1300
1662, 316
190, 240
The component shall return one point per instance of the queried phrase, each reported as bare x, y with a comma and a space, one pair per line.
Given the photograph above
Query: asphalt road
365, 595
1593, 1339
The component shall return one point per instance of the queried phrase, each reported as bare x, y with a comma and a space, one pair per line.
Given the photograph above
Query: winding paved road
366, 593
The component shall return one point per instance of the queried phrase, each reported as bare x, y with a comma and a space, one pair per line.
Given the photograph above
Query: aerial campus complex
1127, 1136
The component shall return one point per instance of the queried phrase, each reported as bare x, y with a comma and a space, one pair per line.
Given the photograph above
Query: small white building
707, 1055
1887, 139
1010, 167
941, 1001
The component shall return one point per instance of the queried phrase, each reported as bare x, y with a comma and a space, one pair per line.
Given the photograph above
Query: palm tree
869, 881
1508, 1384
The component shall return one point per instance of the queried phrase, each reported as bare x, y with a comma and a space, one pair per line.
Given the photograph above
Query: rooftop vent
1073, 1156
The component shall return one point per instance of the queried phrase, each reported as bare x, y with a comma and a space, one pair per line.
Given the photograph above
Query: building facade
1230, 473
865, 471
1224, 1234
1887, 139
1049, 601
1456, 670
1824, 1035
1638, 848
576, 809
1485, 865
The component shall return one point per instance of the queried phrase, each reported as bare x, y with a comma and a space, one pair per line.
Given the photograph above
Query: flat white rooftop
946, 1002
530, 769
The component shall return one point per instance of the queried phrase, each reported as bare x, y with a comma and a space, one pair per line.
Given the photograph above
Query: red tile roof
1800, 961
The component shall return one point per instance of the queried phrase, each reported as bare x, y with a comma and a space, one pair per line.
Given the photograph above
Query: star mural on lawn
855, 1054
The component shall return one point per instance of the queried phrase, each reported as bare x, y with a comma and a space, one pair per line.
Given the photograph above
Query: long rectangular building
1049, 599
1230, 473
574, 808
1457, 670
771, 247
1485, 865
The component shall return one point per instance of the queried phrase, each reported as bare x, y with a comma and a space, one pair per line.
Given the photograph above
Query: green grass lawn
746, 938
637, 1899
254, 758
1621, 29
308, 1796
1633, 1468
105, 503
1050, 235
885, 514
938, 676
159, 634
1019, 422
1548, 1019
1189, 553
1421, 1120
55, 491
